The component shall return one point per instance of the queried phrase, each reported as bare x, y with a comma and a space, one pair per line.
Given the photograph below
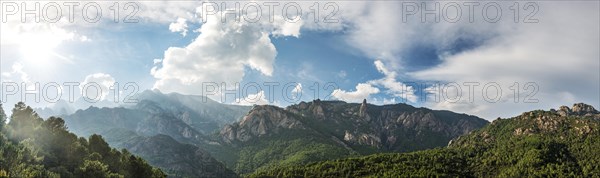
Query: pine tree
2, 118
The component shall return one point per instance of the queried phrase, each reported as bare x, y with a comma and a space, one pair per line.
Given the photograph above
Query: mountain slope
199, 112
186, 118
324, 130
555, 143
176, 159
178, 122
33, 147
398, 127
268, 136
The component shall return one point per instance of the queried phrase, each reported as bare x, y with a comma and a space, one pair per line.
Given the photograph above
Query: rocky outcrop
317, 109
363, 111
583, 109
349, 136
578, 109
398, 127
260, 120
363, 108
565, 124
556, 121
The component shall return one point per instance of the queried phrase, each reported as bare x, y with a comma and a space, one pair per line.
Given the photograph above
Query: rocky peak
387, 126
582, 108
578, 109
363, 108
564, 110
556, 121
260, 120
317, 109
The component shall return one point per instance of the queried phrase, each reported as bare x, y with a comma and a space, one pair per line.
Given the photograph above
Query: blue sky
370, 53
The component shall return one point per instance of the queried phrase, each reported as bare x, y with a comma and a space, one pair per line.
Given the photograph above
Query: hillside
180, 116
33, 147
555, 143
323, 130
177, 124
264, 135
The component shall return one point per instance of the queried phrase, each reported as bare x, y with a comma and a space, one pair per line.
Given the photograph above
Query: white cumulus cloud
219, 54
179, 26
363, 91
253, 99
96, 86
394, 87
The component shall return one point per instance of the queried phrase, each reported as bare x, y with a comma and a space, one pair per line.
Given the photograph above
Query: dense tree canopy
535, 144
33, 147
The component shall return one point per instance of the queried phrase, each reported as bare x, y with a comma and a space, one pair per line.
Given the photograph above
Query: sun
37, 46
35, 51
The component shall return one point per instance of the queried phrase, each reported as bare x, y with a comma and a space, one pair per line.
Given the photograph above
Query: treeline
431, 163
33, 147
552, 146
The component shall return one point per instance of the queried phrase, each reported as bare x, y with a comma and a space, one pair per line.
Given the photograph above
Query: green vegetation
273, 137
288, 147
535, 144
33, 147
436, 162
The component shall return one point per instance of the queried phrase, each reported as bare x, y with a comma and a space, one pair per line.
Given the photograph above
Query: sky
489, 59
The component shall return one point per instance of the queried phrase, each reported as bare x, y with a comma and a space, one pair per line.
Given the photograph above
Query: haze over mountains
414, 89
187, 137
245, 139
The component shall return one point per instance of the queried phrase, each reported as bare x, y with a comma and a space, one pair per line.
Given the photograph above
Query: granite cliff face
398, 127
259, 121
578, 109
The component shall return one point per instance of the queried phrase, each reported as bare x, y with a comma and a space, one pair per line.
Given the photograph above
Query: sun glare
38, 47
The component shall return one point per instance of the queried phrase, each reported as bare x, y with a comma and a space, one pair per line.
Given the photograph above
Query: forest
34, 147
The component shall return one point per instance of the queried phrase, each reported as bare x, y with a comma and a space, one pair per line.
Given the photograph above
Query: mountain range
244, 139
554, 143
193, 136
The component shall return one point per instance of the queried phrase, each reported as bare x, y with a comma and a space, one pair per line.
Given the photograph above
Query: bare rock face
349, 137
564, 123
362, 138
261, 120
363, 111
578, 109
583, 109
557, 121
228, 133
317, 109
396, 127
363, 108
564, 111
369, 139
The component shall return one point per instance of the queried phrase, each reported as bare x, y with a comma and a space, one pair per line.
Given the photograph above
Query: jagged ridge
555, 143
